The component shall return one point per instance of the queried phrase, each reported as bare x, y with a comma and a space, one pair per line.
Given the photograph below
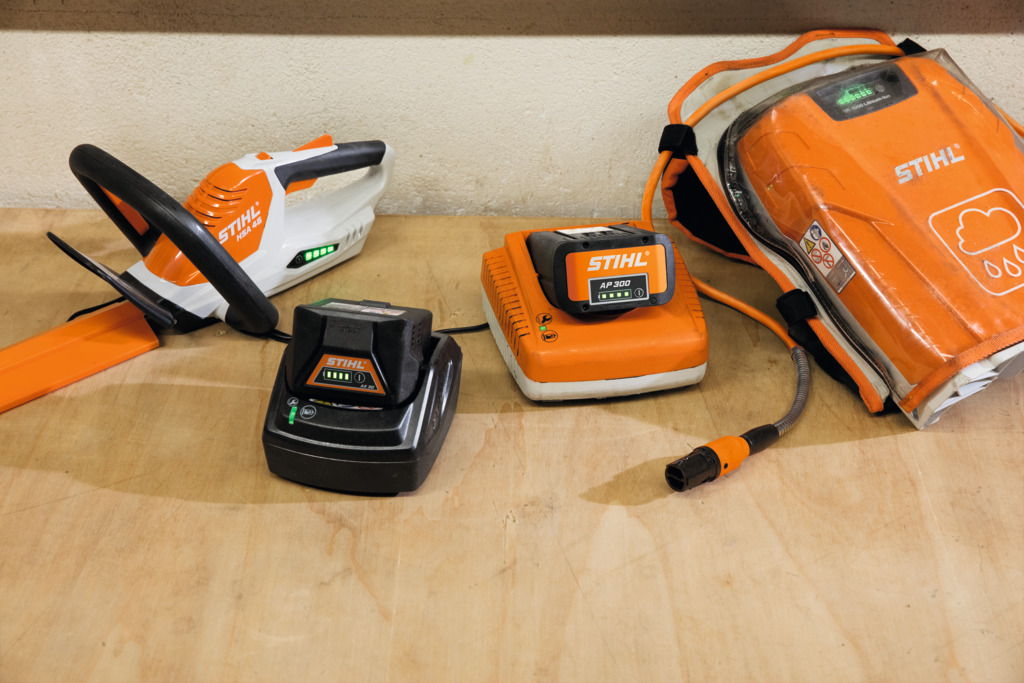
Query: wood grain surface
143, 538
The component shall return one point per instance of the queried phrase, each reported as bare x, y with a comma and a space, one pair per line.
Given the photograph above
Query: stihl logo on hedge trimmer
241, 226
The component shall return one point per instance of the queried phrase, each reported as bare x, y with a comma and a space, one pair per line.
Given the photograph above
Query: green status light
337, 375
854, 93
314, 254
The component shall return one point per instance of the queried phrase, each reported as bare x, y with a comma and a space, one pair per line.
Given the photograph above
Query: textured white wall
533, 125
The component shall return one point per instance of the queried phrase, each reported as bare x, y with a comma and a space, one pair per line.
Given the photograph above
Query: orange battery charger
594, 311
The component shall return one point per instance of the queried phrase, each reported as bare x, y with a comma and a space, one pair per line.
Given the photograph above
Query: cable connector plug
707, 463
718, 458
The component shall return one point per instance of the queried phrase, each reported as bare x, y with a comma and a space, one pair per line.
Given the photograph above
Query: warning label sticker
827, 257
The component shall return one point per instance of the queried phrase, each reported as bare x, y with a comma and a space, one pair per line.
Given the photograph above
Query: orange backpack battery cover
896, 193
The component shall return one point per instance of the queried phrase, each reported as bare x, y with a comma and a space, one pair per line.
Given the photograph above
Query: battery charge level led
338, 375
620, 294
314, 254
854, 93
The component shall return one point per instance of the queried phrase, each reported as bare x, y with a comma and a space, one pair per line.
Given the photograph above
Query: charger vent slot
502, 291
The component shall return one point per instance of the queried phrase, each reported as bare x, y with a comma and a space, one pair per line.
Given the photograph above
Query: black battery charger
363, 399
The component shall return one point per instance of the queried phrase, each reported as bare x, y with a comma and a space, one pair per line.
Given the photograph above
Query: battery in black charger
364, 397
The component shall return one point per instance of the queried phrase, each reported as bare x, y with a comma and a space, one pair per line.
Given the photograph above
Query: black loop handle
345, 157
250, 310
